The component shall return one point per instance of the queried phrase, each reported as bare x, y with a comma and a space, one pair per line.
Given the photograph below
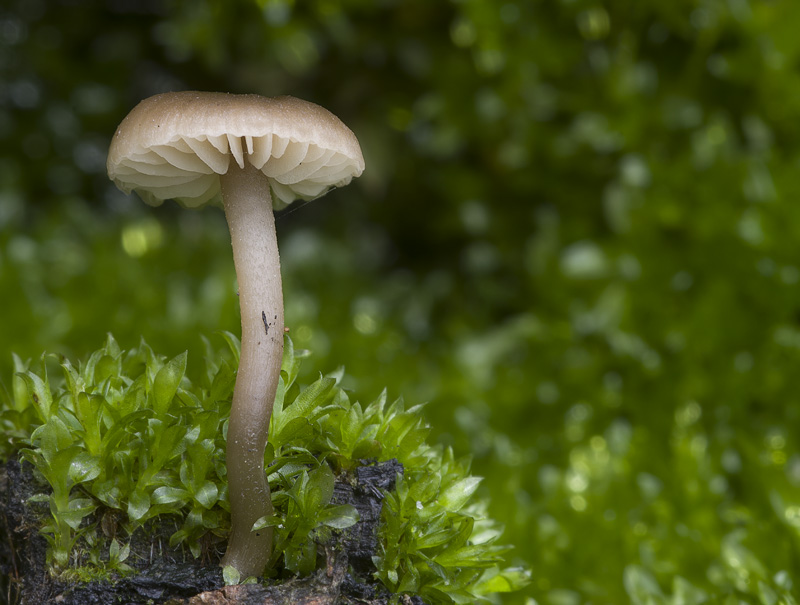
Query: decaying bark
168, 576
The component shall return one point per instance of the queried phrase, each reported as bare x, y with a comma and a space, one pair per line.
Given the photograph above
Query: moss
131, 461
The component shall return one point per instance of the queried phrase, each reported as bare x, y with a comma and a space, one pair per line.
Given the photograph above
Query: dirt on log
171, 577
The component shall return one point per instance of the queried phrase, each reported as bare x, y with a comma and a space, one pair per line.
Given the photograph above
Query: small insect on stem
266, 325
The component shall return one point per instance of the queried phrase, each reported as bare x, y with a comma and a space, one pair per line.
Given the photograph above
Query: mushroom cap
175, 145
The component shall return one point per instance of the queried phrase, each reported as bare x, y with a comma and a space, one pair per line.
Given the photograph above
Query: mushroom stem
248, 209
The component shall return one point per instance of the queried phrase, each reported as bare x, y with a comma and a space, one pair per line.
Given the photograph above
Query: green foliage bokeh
575, 237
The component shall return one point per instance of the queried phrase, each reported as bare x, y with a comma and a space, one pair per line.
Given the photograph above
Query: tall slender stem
248, 209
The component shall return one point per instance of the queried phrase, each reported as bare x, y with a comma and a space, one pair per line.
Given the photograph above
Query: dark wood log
169, 576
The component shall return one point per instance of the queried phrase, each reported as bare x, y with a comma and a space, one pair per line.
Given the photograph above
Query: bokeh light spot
140, 238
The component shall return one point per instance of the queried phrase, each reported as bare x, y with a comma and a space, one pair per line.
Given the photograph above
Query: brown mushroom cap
175, 146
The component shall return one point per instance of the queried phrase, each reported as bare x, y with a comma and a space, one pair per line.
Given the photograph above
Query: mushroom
249, 154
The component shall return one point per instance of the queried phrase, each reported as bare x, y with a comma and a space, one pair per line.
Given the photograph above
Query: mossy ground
129, 458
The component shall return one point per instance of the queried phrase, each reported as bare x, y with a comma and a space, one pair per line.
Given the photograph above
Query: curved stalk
248, 209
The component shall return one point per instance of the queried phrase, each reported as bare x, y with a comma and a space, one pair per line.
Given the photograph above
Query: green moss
127, 433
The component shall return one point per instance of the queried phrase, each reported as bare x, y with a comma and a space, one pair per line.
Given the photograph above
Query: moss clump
126, 439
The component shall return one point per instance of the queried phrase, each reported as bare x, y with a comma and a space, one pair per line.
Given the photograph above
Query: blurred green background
575, 237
